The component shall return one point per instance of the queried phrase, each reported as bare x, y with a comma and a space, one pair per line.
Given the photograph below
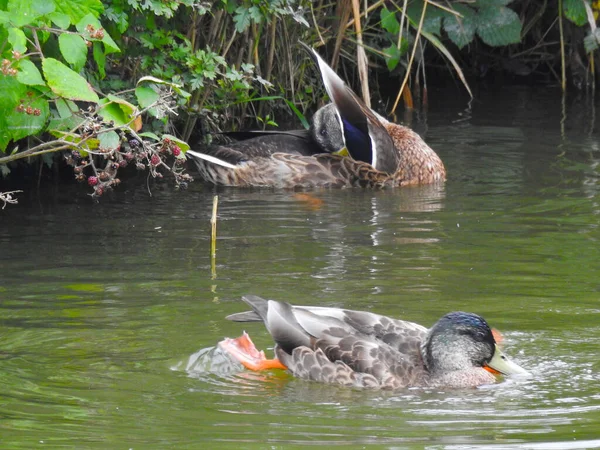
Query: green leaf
61, 20
110, 111
73, 49
17, 39
255, 14
119, 111
78, 9
150, 135
241, 19
389, 21
433, 16
29, 73
575, 11
461, 30
176, 87
100, 59
59, 128
4, 18
65, 108
109, 140
498, 26
21, 124
24, 12
11, 91
146, 96
392, 56
67, 83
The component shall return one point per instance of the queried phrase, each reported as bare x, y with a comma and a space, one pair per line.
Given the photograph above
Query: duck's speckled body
356, 348
381, 153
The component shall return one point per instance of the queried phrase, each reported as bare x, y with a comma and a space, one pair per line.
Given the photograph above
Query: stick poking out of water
213, 237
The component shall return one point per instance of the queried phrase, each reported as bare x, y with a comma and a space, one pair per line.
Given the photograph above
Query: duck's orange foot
244, 350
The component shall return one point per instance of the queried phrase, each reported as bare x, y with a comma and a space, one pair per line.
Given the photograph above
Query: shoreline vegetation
90, 89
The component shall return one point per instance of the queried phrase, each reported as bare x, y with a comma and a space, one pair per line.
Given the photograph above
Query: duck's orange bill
490, 370
243, 350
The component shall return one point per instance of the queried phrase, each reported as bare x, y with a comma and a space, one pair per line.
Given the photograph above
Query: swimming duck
381, 153
363, 349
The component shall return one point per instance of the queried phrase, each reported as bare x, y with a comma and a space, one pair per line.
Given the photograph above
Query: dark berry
93, 181
134, 143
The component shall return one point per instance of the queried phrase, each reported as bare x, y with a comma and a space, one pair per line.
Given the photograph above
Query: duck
367, 350
347, 145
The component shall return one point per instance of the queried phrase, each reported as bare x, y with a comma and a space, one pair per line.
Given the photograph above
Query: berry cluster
6, 69
28, 109
131, 150
95, 33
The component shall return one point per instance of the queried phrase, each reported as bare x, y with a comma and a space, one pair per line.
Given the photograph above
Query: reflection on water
99, 302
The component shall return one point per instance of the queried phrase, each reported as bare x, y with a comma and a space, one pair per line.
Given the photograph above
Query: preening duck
363, 349
381, 153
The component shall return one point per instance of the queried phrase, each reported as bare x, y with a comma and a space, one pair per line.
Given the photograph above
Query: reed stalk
213, 238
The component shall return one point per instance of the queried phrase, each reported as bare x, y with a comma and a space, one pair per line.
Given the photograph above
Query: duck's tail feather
259, 310
192, 154
279, 320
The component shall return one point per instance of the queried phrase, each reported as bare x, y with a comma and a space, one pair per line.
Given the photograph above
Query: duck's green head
462, 341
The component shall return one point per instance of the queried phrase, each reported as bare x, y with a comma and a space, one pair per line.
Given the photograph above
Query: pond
102, 305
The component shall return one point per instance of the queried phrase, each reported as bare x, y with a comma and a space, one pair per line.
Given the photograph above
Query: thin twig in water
213, 238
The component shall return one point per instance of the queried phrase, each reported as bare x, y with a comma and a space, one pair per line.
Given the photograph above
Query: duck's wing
402, 335
364, 135
341, 354
262, 143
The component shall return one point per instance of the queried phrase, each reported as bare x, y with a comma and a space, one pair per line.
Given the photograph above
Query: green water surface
102, 305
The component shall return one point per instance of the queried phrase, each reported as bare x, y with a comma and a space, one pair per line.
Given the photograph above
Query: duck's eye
323, 132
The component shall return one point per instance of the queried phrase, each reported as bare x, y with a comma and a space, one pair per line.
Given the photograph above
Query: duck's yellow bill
342, 152
500, 364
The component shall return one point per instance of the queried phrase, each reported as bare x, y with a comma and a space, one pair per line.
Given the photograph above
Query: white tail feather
211, 159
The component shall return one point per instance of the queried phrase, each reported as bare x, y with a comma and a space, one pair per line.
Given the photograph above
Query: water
102, 305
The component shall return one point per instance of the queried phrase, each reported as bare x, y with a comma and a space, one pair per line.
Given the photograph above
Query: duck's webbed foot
244, 351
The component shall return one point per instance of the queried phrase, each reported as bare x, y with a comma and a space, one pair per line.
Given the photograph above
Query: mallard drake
381, 153
363, 349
